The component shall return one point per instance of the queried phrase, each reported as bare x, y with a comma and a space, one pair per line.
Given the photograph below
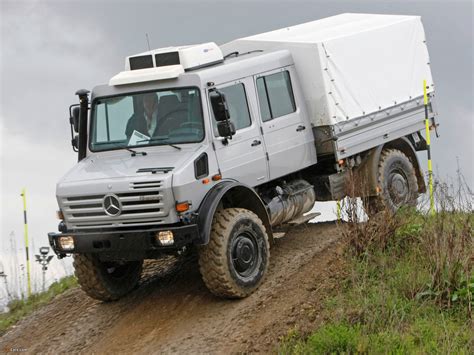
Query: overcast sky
50, 49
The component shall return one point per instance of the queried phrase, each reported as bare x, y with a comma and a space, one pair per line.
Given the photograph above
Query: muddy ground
173, 312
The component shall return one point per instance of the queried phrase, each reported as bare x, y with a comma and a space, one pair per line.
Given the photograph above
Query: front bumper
127, 245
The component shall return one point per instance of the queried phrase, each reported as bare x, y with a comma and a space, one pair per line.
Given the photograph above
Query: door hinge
261, 130
268, 158
213, 146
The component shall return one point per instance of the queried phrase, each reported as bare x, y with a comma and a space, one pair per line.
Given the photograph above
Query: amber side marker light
217, 177
206, 181
182, 206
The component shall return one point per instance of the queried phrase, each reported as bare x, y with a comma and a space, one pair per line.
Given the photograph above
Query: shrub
335, 339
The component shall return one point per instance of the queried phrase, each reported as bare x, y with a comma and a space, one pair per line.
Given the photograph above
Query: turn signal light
217, 177
182, 206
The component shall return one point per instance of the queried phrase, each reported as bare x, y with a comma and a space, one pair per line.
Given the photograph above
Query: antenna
147, 41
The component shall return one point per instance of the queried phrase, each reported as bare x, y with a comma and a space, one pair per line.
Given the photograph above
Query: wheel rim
245, 254
398, 187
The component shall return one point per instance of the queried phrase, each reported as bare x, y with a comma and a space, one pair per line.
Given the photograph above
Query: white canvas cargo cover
351, 65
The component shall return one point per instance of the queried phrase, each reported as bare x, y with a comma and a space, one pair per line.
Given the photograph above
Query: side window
238, 106
275, 95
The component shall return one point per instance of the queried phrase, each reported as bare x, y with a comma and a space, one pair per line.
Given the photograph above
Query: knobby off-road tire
234, 262
397, 179
106, 281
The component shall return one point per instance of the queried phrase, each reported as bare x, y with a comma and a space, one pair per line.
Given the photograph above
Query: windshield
163, 117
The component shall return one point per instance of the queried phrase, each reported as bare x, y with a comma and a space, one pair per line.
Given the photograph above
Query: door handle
300, 128
255, 143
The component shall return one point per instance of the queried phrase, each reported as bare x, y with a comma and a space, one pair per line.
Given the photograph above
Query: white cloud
46, 57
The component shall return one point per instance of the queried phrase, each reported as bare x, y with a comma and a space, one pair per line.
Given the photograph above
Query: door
243, 157
286, 129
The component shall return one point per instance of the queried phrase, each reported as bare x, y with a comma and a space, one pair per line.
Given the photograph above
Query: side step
303, 219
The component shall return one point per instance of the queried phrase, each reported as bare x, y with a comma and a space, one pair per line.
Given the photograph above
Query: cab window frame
224, 86
93, 106
267, 100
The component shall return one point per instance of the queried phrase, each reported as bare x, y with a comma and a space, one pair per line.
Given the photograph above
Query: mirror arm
74, 144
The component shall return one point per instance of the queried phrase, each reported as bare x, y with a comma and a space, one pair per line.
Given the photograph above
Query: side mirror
74, 119
226, 129
219, 106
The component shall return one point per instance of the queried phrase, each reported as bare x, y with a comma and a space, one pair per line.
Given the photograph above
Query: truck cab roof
232, 68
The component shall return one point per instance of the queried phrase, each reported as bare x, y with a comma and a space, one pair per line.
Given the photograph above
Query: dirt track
172, 311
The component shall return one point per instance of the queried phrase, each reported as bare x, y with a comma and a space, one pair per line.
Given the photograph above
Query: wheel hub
244, 254
398, 187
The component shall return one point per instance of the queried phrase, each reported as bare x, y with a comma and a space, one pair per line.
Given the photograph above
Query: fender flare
241, 195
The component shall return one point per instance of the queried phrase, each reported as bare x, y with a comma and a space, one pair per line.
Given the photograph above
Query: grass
21, 308
409, 290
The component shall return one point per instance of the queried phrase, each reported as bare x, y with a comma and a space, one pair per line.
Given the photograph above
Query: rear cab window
275, 95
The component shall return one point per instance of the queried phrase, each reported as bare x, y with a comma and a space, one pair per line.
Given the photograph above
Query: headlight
66, 242
165, 238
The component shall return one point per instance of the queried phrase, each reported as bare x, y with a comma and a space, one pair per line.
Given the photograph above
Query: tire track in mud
173, 312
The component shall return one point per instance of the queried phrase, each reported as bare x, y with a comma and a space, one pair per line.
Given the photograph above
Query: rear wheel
234, 262
106, 281
397, 180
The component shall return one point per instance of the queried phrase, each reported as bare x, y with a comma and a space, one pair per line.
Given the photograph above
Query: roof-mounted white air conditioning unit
167, 63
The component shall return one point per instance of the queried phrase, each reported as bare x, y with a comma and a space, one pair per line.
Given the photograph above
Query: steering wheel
165, 117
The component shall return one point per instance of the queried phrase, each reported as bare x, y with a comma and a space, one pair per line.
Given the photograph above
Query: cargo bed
362, 77
360, 134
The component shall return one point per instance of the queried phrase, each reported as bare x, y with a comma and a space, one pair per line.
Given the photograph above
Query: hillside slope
172, 311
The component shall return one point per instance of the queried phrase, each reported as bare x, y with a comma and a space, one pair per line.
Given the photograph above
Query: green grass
388, 303
21, 308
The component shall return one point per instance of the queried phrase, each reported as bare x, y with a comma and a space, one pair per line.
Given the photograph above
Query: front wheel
234, 262
397, 181
106, 281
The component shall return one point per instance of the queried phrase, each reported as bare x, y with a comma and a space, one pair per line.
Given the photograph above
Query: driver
145, 122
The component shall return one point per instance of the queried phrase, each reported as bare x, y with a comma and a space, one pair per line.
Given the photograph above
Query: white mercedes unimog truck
212, 147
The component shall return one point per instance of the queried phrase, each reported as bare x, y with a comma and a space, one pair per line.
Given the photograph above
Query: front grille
145, 185
142, 205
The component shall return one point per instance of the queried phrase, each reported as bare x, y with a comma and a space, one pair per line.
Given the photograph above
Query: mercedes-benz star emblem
112, 205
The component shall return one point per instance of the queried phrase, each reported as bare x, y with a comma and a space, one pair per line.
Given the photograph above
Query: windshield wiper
160, 140
117, 145
134, 152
